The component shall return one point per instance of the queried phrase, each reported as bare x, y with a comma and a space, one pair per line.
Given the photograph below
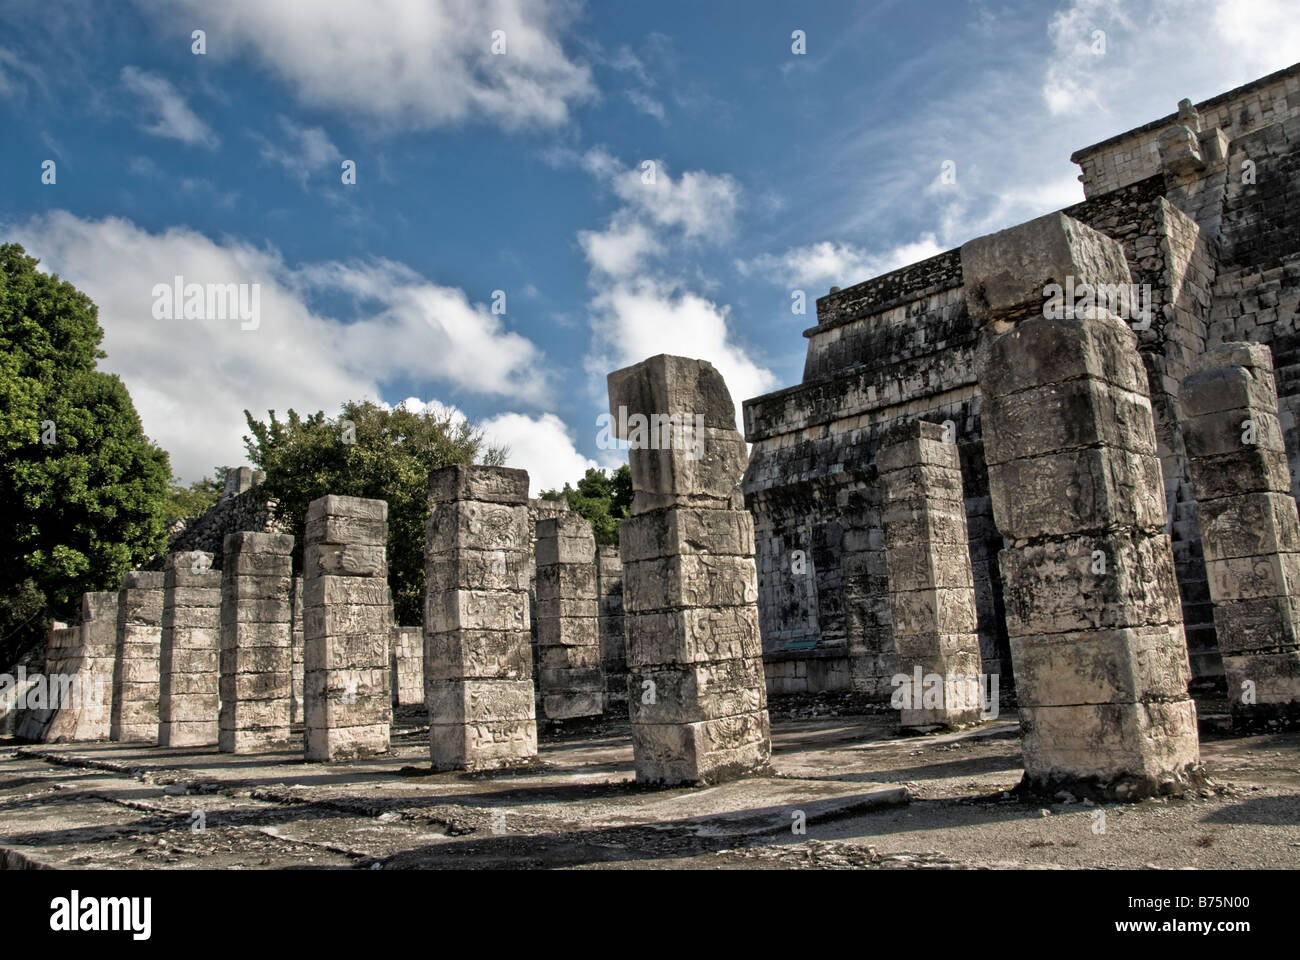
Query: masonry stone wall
1135, 154
241, 508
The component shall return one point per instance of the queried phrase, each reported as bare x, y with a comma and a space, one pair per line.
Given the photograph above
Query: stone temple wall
1218, 258
240, 509
1135, 154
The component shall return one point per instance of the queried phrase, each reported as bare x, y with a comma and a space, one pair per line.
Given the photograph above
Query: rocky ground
864, 798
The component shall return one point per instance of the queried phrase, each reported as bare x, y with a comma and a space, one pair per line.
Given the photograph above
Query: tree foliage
82, 489
184, 502
366, 451
601, 499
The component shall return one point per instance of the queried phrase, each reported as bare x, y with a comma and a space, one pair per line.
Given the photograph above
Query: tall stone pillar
931, 587
346, 627
406, 666
99, 648
696, 689
1092, 603
1249, 528
568, 627
477, 656
613, 638
189, 700
256, 657
139, 643
296, 642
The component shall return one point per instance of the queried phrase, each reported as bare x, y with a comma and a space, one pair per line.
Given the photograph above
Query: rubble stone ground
130, 806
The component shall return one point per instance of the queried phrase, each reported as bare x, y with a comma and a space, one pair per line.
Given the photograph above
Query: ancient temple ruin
1201, 205
1062, 456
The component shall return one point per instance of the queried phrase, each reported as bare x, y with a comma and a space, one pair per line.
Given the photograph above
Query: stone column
99, 646
613, 639
296, 642
931, 587
346, 628
477, 656
407, 666
1249, 528
139, 643
568, 628
256, 657
189, 700
1092, 603
697, 695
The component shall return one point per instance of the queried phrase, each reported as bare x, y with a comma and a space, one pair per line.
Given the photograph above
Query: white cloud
819, 266
409, 64
13, 70
641, 305
1203, 47
163, 105
300, 150
191, 379
619, 249
636, 318
646, 103
702, 205
541, 445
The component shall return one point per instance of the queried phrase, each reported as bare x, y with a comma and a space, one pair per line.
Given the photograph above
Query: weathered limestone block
931, 588
478, 662
1250, 530
570, 679
256, 659
139, 645
189, 703
696, 688
347, 629
1093, 612
613, 639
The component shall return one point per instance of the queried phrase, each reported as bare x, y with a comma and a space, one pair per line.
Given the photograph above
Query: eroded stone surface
347, 629
189, 693
1093, 611
931, 589
1249, 529
477, 657
256, 658
570, 679
696, 688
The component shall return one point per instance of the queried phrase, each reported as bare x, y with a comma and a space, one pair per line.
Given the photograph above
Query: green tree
602, 500
193, 501
366, 451
82, 489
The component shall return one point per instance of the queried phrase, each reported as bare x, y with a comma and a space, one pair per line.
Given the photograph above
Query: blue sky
525, 172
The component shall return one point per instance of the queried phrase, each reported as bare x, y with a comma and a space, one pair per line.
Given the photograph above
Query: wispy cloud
166, 114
